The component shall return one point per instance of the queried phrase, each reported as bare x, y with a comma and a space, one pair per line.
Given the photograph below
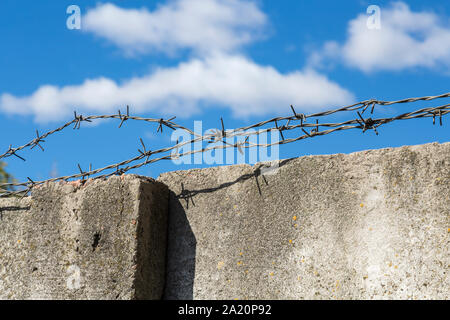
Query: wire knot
366, 124
78, 120
124, 118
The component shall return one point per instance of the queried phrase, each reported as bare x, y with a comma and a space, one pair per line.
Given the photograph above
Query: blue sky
241, 60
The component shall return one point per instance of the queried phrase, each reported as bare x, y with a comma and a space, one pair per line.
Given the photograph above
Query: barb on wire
306, 132
366, 123
316, 129
84, 174
300, 116
280, 129
240, 145
124, 118
223, 128
37, 140
165, 123
144, 153
12, 151
434, 117
78, 120
292, 123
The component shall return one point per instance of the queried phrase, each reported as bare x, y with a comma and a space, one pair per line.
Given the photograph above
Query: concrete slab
105, 239
367, 225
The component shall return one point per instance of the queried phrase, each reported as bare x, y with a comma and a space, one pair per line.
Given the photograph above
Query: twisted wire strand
217, 139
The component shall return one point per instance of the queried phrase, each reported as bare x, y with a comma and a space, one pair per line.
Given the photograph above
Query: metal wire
295, 121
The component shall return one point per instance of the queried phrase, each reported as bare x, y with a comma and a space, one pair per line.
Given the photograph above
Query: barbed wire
217, 139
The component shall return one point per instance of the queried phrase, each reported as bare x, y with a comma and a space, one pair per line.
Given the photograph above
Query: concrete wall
372, 224
102, 240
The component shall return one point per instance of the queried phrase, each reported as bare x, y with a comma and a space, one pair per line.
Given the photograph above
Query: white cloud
231, 81
204, 26
406, 39
217, 75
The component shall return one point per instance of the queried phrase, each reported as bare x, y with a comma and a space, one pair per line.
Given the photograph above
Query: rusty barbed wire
292, 122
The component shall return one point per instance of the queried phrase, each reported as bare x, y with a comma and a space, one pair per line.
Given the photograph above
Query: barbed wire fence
217, 139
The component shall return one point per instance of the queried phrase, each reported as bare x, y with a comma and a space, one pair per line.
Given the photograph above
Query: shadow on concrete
181, 250
257, 174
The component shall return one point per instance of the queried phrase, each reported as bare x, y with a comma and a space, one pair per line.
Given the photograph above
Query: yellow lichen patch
241, 253
303, 260
235, 206
390, 264
239, 263
395, 267
220, 265
19, 241
290, 241
271, 274
361, 205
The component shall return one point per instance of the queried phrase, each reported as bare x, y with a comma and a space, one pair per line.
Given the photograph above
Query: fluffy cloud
406, 39
232, 81
217, 75
203, 26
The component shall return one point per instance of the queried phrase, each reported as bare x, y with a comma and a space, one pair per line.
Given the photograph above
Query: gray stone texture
104, 239
367, 225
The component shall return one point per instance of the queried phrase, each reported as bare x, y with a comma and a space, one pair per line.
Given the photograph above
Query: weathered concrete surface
103, 240
367, 225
